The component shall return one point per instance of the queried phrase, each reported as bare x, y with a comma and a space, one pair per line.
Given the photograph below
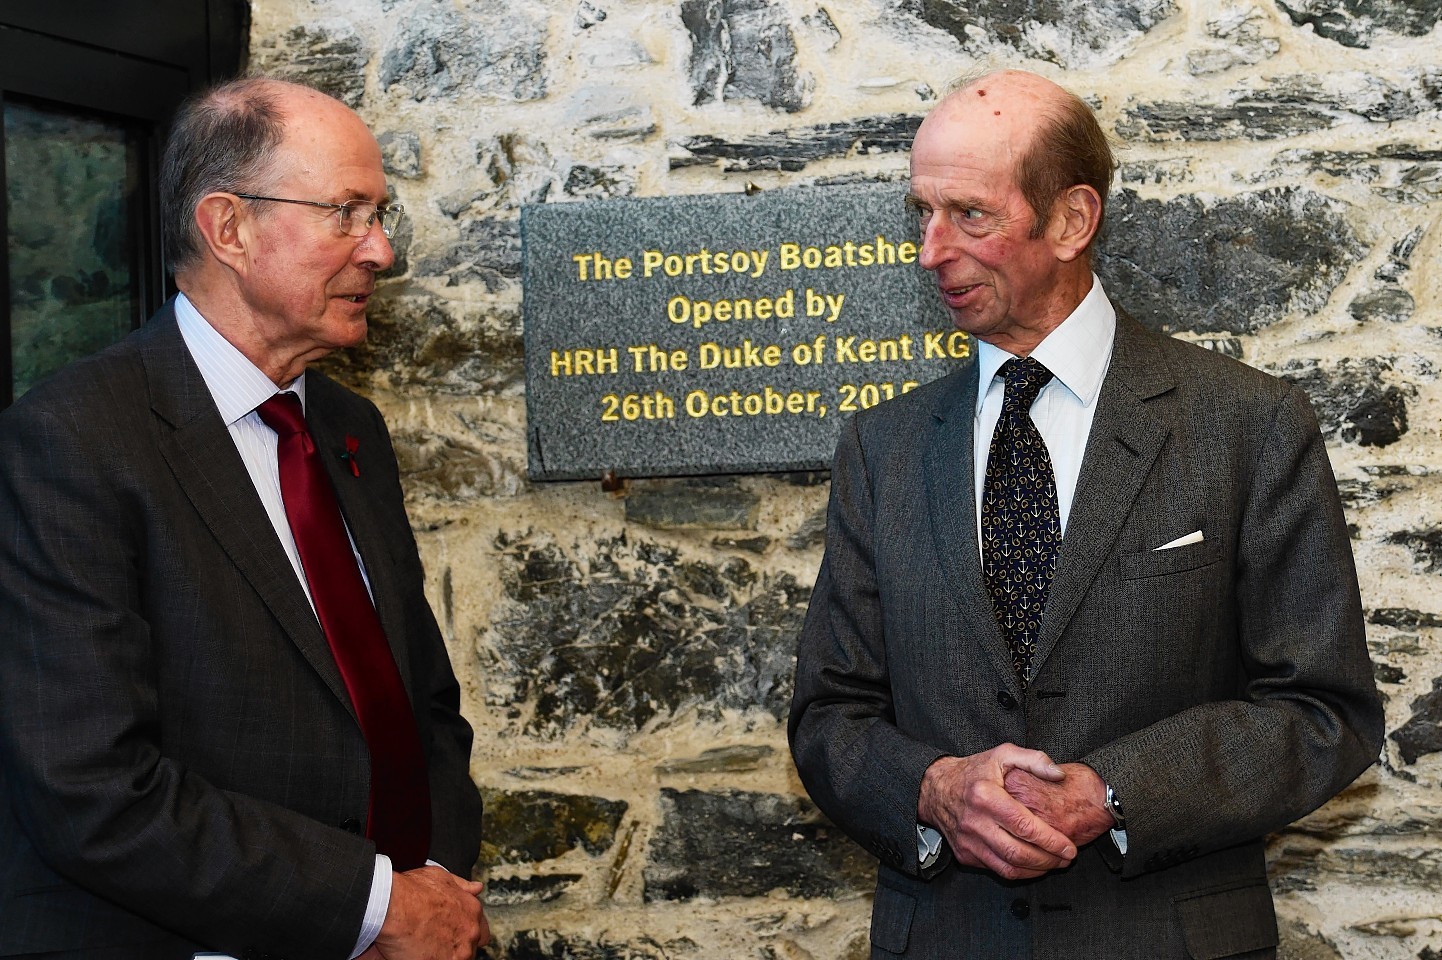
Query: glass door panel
75, 228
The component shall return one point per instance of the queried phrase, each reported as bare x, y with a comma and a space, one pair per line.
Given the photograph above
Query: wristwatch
1114, 806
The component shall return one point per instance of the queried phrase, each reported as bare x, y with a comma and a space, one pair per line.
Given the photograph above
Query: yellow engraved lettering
650, 262
906, 252
790, 256
885, 250
649, 358
759, 258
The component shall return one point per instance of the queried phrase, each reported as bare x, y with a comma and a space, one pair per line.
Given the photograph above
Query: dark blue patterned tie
1020, 522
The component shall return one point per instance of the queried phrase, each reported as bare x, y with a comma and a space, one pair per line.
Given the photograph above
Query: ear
219, 218
1075, 220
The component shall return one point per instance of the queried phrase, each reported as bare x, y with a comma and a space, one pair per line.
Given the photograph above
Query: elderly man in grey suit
1087, 626
228, 721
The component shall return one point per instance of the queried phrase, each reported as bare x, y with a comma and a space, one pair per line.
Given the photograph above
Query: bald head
1050, 132
228, 139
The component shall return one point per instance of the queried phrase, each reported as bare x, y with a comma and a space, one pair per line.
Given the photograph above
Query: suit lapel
330, 423
950, 474
202, 456
1127, 434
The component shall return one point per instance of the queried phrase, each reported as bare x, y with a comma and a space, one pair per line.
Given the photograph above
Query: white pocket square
1194, 537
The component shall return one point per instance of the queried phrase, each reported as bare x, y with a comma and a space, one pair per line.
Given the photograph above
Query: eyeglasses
355, 216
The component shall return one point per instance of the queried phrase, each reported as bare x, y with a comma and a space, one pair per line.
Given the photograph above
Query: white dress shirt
1078, 353
238, 387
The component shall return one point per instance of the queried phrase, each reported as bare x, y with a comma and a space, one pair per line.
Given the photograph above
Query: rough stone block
444, 468
742, 844
438, 52
401, 153
1425, 544
1354, 401
1287, 107
329, 55
687, 504
554, 945
487, 251
415, 337
737, 758
1404, 618
744, 49
534, 825
1357, 23
626, 634
1241, 41
542, 888
1070, 33
794, 148
1390, 304
599, 183
1229, 265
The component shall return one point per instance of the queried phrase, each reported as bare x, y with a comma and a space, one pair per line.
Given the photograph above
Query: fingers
966, 799
433, 915
1034, 762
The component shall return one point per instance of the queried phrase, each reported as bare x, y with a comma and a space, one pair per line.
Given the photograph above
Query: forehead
958, 150
328, 148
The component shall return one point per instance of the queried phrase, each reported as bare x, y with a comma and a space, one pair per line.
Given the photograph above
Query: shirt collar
237, 385
1077, 352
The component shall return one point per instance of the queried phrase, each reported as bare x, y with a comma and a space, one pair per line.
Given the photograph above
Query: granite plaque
721, 333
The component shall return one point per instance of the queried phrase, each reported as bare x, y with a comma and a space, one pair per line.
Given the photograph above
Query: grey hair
224, 140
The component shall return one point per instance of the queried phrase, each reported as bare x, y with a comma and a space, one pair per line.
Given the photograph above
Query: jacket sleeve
860, 769
1309, 719
85, 767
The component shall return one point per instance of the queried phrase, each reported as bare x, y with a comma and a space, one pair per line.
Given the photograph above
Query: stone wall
626, 656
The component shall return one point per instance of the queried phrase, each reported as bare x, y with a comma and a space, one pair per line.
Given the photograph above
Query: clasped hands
1012, 811
433, 915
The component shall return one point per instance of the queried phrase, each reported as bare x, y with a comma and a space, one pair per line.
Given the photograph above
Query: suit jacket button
1007, 701
351, 825
1020, 909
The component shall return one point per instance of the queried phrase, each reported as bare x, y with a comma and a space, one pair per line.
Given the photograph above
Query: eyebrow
354, 194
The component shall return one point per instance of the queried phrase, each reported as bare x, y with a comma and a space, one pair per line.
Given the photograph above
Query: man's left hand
1074, 805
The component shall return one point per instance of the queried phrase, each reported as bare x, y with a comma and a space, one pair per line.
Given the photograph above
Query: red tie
400, 805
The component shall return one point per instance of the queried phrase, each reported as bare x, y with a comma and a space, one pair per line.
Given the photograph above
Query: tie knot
1025, 378
283, 414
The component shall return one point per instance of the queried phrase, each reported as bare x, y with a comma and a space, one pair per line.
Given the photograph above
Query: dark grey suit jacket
1222, 688
182, 768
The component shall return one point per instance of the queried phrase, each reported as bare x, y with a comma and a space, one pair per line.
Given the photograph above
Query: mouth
954, 295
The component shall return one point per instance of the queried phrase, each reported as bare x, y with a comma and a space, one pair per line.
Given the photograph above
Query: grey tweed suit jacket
1223, 688
182, 768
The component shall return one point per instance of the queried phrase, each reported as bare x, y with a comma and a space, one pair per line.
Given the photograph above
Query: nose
373, 249
935, 245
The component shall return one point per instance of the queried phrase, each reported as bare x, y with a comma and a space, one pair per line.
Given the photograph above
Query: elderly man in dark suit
1087, 626
228, 721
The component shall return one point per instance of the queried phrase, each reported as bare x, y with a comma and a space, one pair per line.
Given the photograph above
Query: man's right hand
433, 915
966, 799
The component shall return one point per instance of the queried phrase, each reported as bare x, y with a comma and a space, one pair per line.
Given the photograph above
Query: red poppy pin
351, 446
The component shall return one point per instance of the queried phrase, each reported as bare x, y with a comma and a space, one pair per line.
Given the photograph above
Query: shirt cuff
376, 907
